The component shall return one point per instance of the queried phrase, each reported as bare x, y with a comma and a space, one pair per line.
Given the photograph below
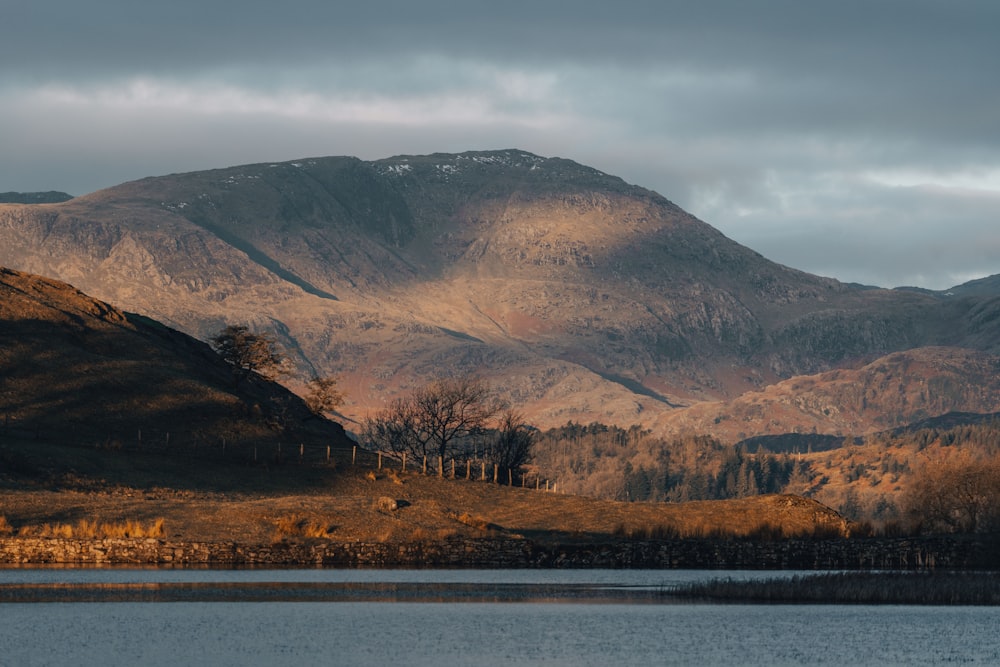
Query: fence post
468, 468
380, 460
328, 453
354, 455
425, 464
302, 451
482, 474
440, 466
404, 461
453, 468
496, 472
510, 477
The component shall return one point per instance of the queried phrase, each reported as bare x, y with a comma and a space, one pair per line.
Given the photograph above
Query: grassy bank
924, 588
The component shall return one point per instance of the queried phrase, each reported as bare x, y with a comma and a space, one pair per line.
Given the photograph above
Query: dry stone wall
913, 553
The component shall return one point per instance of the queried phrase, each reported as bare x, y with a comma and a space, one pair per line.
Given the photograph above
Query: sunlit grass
88, 529
296, 525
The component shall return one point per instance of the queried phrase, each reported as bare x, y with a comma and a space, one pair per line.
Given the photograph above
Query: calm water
440, 634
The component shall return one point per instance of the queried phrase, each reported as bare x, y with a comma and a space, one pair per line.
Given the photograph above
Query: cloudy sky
858, 139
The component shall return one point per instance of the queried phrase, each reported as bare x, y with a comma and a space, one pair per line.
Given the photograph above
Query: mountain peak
585, 297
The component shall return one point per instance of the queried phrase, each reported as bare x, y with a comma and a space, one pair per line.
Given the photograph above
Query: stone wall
911, 553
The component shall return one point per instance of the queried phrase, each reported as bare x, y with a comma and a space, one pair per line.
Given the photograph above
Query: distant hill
76, 370
50, 197
893, 391
583, 297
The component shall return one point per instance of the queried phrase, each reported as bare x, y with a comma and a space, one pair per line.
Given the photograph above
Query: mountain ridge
584, 297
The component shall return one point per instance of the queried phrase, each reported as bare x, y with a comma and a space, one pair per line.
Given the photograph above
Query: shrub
296, 525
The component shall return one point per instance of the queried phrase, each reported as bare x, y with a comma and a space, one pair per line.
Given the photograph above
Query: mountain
50, 197
75, 368
581, 296
897, 390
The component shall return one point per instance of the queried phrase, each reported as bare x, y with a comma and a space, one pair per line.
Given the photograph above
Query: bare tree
441, 419
322, 395
508, 445
956, 496
247, 352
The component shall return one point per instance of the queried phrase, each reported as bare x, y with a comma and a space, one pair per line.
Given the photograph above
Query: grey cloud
887, 236
762, 118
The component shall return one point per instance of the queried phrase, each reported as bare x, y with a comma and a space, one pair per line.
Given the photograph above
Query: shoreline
937, 588
913, 553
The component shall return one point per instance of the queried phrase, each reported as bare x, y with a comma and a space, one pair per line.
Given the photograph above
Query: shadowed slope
77, 370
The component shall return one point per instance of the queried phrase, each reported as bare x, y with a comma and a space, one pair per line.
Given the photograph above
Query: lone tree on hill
247, 352
322, 395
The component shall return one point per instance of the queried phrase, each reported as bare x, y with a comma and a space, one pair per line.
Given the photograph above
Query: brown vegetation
91, 529
931, 588
931, 479
257, 504
298, 526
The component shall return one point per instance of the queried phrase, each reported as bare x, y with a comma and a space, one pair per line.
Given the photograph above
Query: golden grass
86, 529
5, 527
421, 534
296, 525
758, 531
477, 522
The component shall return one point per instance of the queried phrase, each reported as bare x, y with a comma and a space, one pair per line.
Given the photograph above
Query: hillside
218, 501
75, 369
896, 390
583, 297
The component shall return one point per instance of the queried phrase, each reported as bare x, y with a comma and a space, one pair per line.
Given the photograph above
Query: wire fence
269, 452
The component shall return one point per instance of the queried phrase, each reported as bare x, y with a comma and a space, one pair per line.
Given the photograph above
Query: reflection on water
477, 633
655, 578
318, 585
329, 592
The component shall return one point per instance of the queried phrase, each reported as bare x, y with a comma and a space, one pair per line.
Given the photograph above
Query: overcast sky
858, 139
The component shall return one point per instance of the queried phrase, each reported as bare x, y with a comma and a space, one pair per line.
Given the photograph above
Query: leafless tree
956, 496
446, 418
508, 445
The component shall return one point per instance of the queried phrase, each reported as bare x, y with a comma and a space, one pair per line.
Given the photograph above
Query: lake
556, 630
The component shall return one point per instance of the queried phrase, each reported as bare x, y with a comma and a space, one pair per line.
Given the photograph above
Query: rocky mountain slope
74, 369
896, 390
583, 297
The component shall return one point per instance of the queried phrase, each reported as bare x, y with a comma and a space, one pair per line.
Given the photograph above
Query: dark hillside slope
78, 371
